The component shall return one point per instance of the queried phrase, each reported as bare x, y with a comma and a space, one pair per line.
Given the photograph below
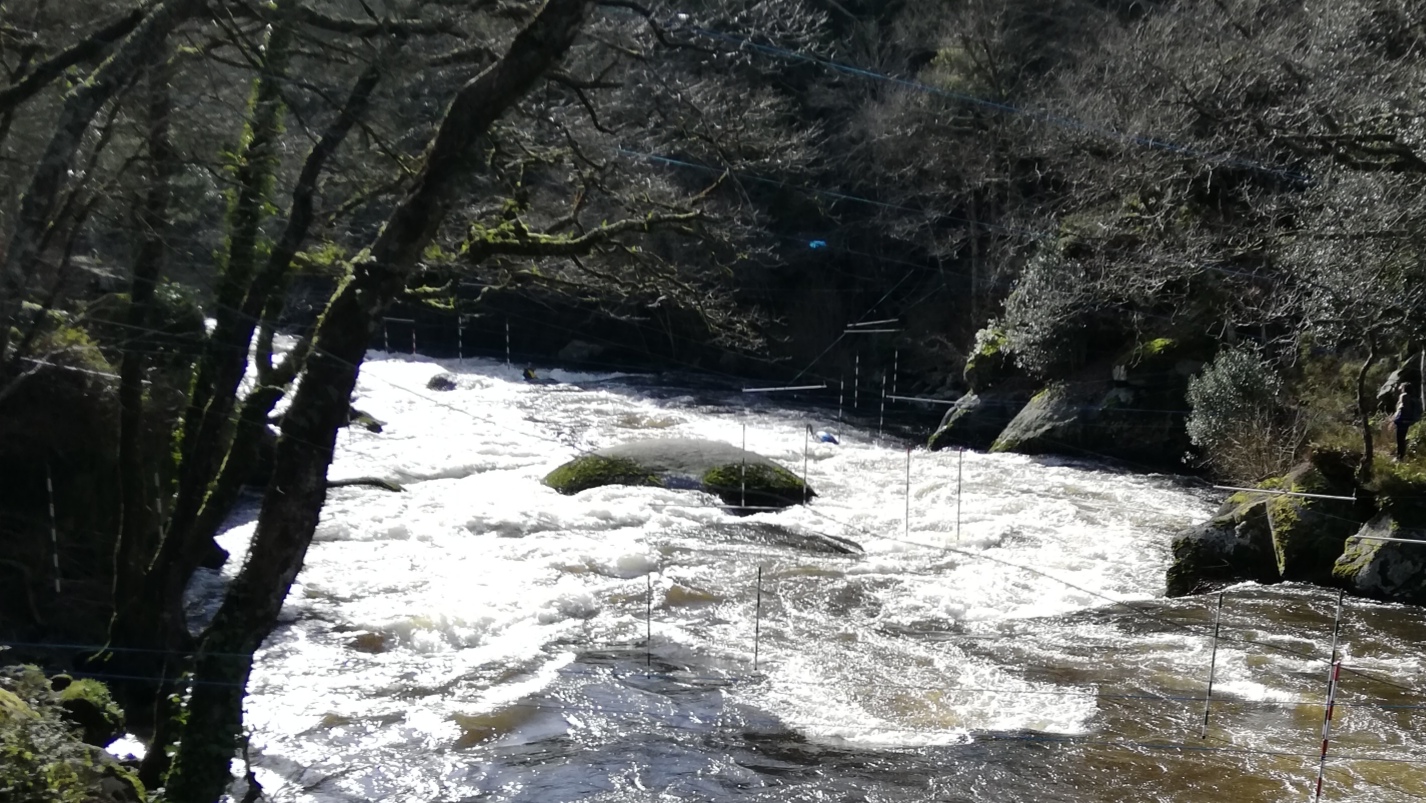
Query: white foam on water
481, 583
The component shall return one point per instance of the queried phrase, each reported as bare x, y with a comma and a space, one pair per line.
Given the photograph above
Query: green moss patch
87, 704
756, 484
593, 471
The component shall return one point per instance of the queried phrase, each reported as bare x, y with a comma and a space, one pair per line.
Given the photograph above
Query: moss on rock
1384, 570
1233, 547
989, 362
41, 756
593, 471
88, 705
736, 476
756, 484
1309, 534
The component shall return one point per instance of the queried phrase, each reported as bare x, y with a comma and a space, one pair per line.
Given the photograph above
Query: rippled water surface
480, 637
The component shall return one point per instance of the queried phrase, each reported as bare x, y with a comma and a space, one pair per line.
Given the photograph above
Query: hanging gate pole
743, 472
758, 620
881, 422
54, 528
856, 381
1327, 726
960, 461
1212, 666
806, 441
649, 623
908, 492
1334, 672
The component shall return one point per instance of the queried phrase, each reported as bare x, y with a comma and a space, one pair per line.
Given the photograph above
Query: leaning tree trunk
298, 487
156, 616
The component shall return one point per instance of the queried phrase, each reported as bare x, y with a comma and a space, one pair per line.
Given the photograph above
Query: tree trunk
138, 534
1364, 413
136, 539
154, 619
208, 425
298, 488
80, 105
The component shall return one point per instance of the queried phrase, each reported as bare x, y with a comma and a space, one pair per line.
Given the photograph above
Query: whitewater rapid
480, 637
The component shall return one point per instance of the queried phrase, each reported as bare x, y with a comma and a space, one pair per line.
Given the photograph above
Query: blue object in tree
815, 244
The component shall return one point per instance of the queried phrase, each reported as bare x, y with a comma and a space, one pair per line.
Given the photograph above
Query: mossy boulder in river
1384, 570
1235, 546
738, 477
1271, 535
1309, 533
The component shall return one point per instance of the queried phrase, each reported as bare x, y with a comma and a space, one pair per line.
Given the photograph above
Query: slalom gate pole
1212, 666
908, 492
743, 471
507, 342
649, 623
385, 336
841, 394
1334, 672
895, 368
881, 422
54, 527
856, 381
1327, 726
460, 339
758, 620
960, 462
806, 442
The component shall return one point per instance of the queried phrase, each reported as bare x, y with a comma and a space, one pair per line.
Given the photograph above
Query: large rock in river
738, 477
1385, 570
1234, 547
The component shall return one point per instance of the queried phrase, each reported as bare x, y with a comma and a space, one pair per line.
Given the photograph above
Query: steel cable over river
481, 637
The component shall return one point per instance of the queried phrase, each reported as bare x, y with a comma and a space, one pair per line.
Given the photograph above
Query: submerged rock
738, 477
441, 382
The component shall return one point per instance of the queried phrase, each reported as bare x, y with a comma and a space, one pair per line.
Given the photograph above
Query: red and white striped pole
1332, 675
1327, 725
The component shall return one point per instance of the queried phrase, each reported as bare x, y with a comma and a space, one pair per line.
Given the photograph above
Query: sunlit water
480, 637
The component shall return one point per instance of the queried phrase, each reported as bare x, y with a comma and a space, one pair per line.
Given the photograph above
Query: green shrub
41, 759
1240, 421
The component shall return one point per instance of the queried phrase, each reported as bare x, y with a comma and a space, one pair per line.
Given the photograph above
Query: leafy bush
41, 759
1239, 420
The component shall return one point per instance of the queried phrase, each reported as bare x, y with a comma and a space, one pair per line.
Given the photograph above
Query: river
480, 637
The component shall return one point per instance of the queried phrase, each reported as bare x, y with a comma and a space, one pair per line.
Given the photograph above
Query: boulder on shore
738, 477
977, 418
1269, 536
